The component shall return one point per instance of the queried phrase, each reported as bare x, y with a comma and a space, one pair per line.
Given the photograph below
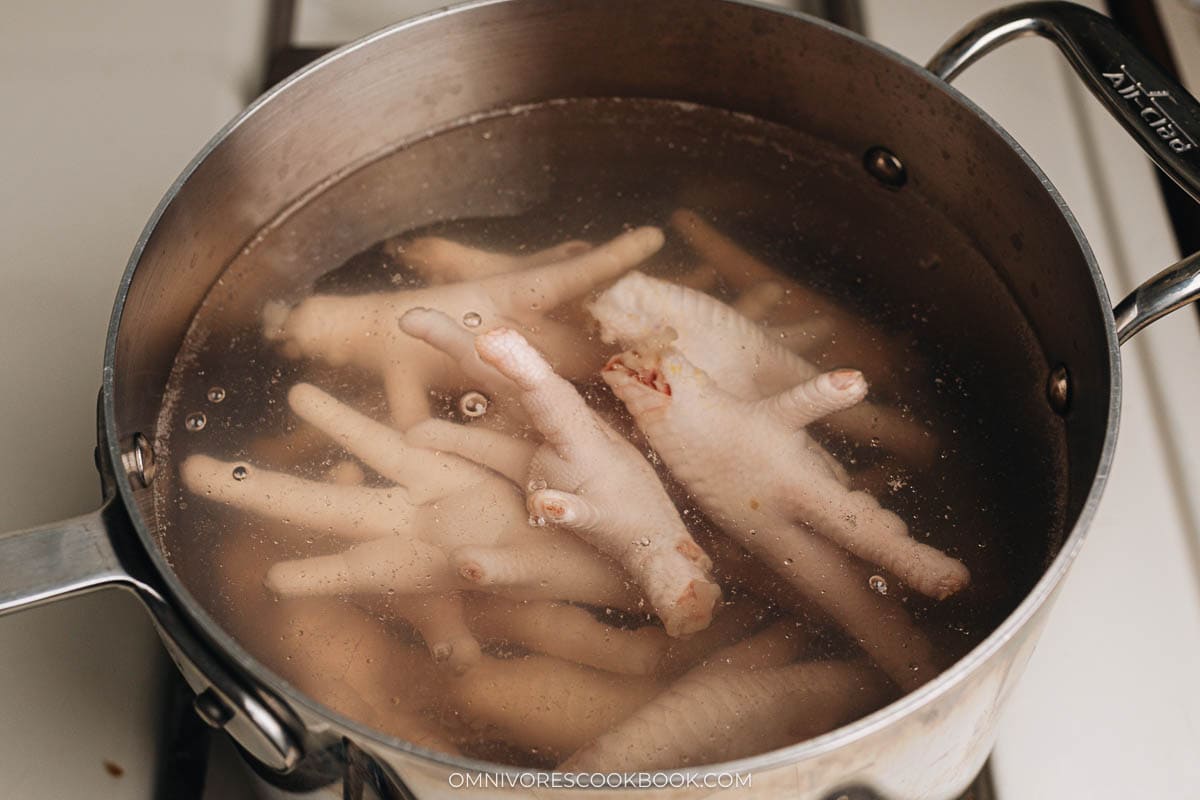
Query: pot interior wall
790, 71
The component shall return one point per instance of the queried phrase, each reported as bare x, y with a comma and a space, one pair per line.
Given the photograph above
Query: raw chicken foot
748, 466
739, 355
333, 650
771, 441
363, 330
719, 713
587, 478
569, 632
808, 322
412, 536
441, 261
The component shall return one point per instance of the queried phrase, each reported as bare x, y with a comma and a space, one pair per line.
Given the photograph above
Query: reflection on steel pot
912, 132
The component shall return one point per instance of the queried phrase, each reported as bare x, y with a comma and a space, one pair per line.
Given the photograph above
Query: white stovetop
104, 104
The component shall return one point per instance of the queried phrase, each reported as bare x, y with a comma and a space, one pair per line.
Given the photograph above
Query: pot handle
51, 562
54, 561
1152, 107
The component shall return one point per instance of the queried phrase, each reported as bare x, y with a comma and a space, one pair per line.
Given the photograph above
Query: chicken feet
587, 478
363, 330
739, 355
748, 466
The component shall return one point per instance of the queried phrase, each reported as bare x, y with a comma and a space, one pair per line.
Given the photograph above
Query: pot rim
808, 749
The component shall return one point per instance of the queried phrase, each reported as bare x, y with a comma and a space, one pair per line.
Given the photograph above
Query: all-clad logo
1150, 108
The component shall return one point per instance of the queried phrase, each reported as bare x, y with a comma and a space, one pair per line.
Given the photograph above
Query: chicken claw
589, 479
771, 442
410, 538
839, 335
363, 331
439, 260
718, 713
739, 355
748, 465
570, 633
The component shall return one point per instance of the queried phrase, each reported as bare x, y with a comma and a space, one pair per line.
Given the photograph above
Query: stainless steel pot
781, 67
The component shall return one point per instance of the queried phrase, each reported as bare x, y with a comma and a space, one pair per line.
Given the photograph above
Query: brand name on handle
1149, 103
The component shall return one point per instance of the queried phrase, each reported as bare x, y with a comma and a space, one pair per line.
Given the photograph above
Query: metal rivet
137, 457
1058, 389
212, 709
883, 165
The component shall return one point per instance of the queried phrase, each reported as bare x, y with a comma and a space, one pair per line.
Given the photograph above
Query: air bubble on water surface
195, 421
473, 404
878, 584
472, 320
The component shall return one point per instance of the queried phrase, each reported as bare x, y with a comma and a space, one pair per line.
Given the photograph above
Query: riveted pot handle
1173, 288
52, 562
1159, 113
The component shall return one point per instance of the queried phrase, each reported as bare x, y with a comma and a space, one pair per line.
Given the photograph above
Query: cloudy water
338, 537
